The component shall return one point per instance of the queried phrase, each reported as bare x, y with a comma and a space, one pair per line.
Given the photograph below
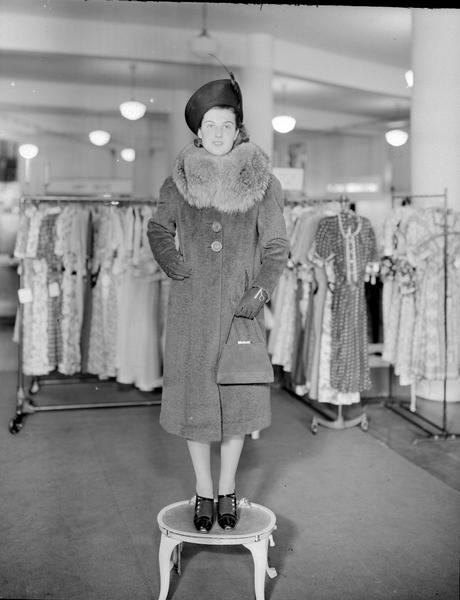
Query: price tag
25, 295
53, 289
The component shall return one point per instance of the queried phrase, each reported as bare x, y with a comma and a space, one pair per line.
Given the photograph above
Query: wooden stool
253, 530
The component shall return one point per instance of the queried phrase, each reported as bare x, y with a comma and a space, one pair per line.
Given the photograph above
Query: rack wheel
34, 387
364, 423
16, 424
314, 426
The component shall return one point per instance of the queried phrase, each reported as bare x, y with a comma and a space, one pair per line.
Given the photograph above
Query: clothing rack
327, 418
107, 200
303, 200
401, 407
25, 405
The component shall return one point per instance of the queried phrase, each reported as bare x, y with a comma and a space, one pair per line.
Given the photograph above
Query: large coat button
216, 226
216, 246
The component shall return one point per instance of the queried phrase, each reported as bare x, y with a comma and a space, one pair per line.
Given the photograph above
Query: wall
341, 157
331, 157
73, 156
326, 157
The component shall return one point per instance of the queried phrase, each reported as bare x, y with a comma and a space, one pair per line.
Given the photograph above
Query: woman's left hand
251, 303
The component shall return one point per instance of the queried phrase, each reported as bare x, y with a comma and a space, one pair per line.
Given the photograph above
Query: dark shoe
204, 513
227, 515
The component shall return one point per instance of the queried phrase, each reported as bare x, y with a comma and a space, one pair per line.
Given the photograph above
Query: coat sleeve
273, 240
161, 229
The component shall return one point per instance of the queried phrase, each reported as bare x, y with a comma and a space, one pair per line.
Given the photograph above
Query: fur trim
231, 183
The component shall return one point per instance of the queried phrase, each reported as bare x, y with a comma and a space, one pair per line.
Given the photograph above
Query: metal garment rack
328, 421
402, 407
25, 405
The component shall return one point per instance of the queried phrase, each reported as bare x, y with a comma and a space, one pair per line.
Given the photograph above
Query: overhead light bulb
396, 137
28, 150
99, 137
128, 154
409, 76
132, 109
283, 123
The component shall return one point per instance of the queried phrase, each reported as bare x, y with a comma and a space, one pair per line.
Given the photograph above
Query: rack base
434, 432
340, 422
26, 406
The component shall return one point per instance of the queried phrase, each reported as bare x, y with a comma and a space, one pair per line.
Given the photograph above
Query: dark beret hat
221, 92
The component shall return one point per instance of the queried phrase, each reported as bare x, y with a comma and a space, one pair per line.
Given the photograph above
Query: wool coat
223, 216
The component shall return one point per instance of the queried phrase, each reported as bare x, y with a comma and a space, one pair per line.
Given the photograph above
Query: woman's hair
242, 136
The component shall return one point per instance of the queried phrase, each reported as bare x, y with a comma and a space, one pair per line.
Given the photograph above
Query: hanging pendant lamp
396, 137
128, 154
28, 151
132, 109
203, 44
99, 137
283, 123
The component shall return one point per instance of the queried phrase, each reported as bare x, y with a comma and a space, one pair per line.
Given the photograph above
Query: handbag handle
257, 326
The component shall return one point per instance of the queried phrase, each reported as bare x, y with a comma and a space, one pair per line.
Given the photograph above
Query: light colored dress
108, 239
429, 341
71, 246
139, 359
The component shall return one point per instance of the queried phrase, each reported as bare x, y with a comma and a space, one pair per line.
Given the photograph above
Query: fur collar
231, 183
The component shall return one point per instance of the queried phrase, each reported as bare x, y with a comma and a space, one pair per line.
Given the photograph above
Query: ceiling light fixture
128, 154
396, 137
283, 123
99, 137
203, 44
132, 109
28, 151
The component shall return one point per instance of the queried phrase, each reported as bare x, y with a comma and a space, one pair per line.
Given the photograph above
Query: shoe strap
227, 504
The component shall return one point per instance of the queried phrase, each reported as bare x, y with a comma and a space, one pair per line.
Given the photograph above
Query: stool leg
167, 545
259, 552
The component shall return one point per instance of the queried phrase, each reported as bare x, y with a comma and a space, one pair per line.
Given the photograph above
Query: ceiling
376, 34
381, 34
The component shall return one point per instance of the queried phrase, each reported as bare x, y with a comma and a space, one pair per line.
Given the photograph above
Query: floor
360, 515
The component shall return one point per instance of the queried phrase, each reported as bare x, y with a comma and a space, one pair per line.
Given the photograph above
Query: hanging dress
349, 242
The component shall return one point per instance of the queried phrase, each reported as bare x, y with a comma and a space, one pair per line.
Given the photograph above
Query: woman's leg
230, 452
200, 453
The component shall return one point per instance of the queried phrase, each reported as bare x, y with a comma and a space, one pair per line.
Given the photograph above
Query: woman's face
218, 130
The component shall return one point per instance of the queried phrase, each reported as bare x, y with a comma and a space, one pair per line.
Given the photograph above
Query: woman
226, 208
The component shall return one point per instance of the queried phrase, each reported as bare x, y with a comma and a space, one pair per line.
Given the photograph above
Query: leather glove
164, 250
251, 303
177, 269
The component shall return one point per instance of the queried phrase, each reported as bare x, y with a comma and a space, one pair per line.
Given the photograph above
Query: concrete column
159, 160
435, 124
435, 114
180, 134
256, 87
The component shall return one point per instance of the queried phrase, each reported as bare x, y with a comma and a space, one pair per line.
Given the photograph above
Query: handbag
244, 357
